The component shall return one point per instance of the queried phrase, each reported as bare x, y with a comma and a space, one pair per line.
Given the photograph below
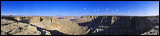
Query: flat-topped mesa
35, 20
100, 18
83, 19
112, 19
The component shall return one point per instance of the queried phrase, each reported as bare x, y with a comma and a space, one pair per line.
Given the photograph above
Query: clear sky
79, 8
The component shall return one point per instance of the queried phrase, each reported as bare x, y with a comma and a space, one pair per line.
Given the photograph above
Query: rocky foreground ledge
85, 25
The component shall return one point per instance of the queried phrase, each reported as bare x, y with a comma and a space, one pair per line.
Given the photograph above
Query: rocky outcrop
118, 25
49, 24
155, 29
9, 27
84, 19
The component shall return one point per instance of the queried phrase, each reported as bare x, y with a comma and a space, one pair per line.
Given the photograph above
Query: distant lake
73, 19
60, 17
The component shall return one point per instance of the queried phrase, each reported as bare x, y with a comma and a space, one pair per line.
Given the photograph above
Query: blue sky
79, 8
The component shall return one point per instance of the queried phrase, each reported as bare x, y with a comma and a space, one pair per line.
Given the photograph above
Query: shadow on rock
55, 32
8, 18
120, 26
13, 19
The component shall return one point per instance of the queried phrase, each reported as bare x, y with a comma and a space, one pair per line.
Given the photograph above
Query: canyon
83, 25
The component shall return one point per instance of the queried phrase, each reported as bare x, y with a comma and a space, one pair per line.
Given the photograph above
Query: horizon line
86, 15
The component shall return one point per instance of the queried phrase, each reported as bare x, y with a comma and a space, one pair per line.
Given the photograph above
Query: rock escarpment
119, 25
86, 25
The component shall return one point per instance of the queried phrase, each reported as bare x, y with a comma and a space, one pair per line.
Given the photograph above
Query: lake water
73, 19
